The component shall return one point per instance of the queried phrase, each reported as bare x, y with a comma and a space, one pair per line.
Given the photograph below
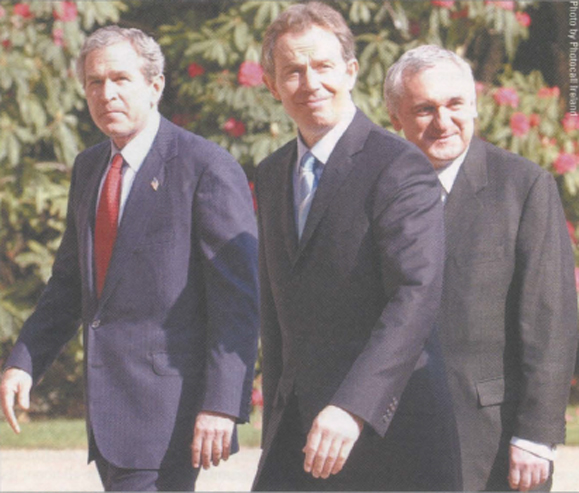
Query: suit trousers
175, 476
375, 463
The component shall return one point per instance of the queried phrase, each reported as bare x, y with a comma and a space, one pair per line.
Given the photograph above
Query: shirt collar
325, 146
136, 150
447, 175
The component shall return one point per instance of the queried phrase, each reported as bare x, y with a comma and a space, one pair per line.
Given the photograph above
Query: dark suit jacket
346, 312
175, 329
508, 317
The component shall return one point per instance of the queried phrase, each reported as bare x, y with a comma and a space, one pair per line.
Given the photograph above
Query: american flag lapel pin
155, 184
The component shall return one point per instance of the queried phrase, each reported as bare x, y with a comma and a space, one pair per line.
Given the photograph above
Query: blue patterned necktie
307, 183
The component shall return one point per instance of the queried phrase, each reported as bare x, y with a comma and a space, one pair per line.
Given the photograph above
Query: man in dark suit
508, 319
349, 291
169, 307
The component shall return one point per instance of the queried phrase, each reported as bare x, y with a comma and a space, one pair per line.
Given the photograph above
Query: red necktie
107, 220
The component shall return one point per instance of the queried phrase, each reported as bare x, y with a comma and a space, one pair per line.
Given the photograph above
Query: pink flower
565, 163
570, 122
66, 12
480, 87
534, 120
58, 37
256, 398
505, 5
520, 124
548, 92
194, 70
234, 127
506, 96
2, 12
250, 74
523, 19
577, 284
23, 10
572, 234
445, 4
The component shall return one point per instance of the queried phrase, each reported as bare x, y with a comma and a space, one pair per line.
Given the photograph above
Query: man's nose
311, 79
442, 118
109, 90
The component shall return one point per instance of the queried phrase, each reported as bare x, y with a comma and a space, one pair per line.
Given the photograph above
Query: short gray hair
299, 17
415, 61
145, 46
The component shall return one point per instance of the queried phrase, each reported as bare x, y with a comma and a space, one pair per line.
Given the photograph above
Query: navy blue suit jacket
175, 330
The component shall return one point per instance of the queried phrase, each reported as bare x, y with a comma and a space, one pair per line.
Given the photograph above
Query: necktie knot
117, 162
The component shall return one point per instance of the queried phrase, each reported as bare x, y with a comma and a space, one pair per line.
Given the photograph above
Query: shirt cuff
540, 449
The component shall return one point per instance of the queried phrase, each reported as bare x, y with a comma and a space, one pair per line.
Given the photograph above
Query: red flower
250, 74
505, 5
253, 196
461, 14
572, 234
66, 12
415, 28
445, 4
534, 120
570, 122
523, 19
565, 163
58, 37
256, 398
506, 96
7, 44
234, 127
23, 10
195, 69
520, 124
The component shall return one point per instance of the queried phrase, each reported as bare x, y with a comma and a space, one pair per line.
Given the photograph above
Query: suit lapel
288, 222
140, 205
337, 169
464, 204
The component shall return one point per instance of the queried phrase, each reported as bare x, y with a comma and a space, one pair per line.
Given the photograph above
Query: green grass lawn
70, 434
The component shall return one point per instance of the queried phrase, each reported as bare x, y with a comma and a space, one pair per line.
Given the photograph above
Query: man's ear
353, 68
395, 122
270, 84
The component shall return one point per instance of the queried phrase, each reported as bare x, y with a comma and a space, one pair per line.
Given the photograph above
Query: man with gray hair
508, 317
158, 263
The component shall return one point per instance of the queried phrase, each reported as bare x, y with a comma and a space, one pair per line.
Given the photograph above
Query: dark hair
298, 18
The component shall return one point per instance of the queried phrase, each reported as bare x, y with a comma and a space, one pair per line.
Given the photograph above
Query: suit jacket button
95, 324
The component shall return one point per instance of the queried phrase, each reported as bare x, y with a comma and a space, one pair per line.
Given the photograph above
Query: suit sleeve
408, 234
57, 316
544, 285
225, 225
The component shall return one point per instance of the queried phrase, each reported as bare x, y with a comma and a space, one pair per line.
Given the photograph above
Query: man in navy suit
169, 308
351, 245
508, 318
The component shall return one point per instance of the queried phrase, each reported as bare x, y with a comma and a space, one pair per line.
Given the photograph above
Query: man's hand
211, 439
15, 386
330, 441
526, 469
